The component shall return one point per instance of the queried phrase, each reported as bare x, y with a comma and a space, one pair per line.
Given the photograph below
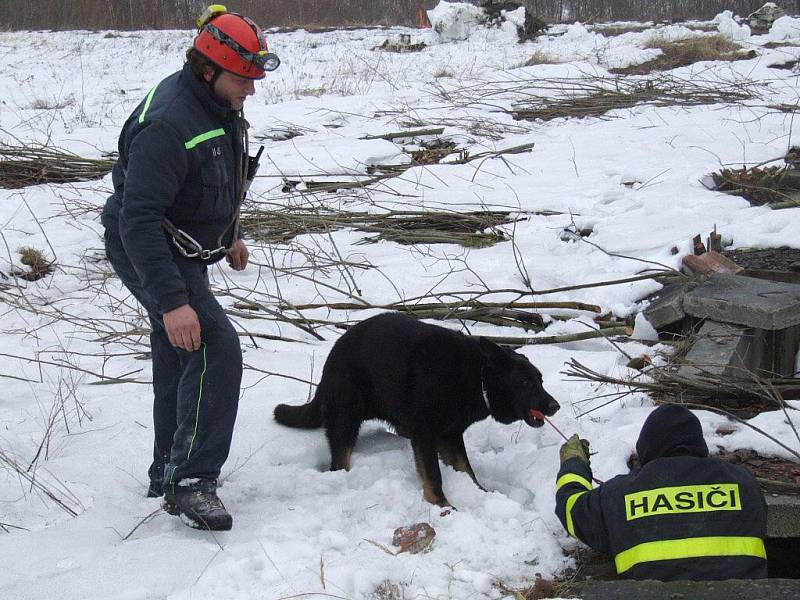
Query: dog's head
514, 386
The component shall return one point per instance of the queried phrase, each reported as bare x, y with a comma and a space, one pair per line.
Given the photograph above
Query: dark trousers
196, 394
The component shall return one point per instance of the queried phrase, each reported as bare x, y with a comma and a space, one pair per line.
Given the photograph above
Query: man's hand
183, 328
238, 255
574, 448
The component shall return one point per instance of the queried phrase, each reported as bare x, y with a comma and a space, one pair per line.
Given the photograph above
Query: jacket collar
205, 96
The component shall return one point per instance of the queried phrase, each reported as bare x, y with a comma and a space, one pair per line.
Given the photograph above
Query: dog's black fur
428, 382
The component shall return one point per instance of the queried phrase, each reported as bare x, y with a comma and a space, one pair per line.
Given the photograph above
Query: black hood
670, 430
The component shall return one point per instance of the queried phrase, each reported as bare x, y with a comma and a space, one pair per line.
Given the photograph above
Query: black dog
428, 382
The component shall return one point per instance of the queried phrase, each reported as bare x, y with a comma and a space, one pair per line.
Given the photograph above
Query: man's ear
208, 73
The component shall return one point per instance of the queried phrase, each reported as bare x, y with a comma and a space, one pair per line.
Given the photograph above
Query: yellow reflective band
570, 503
199, 139
682, 499
147, 102
690, 548
572, 478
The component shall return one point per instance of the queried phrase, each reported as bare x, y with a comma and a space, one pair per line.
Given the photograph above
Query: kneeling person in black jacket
683, 515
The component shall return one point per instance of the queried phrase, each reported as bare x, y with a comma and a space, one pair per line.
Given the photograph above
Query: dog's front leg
428, 469
454, 454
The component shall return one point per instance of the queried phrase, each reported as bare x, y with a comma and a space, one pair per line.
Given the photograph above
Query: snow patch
729, 27
455, 21
785, 28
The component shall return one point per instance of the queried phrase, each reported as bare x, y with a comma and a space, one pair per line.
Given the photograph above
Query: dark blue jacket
679, 517
180, 156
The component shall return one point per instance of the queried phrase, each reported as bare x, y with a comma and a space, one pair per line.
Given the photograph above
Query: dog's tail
305, 416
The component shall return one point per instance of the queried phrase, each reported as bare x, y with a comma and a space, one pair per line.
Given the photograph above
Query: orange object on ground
424, 22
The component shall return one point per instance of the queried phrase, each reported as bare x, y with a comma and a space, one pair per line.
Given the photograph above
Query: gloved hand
574, 447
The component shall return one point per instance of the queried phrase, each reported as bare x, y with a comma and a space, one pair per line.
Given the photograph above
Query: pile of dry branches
542, 98
737, 397
588, 98
471, 229
22, 166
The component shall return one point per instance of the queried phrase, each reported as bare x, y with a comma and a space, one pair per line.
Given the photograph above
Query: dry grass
589, 565
786, 44
541, 58
315, 92
680, 53
443, 73
38, 266
41, 104
696, 48
388, 591
617, 30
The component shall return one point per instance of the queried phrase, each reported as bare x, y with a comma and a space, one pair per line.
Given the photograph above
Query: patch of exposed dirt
401, 45
776, 475
569, 584
766, 259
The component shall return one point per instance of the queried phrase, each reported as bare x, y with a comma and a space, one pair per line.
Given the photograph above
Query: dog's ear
491, 351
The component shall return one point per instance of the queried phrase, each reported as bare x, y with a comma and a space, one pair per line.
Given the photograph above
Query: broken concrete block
761, 20
783, 516
666, 305
724, 350
781, 351
745, 301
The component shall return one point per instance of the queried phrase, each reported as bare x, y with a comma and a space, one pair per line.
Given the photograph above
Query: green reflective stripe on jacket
572, 478
199, 139
147, 102
690, 548
570, 503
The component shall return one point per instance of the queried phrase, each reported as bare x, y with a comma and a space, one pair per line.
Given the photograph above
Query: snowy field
633, 176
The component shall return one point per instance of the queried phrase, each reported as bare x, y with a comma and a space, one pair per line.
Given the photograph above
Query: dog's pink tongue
536, 414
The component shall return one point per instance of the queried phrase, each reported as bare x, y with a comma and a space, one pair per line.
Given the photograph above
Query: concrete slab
666, 305
734, 589
745, 301
782, 348
725, 350
783, 516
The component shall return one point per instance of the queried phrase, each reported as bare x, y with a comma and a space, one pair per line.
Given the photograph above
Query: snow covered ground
299, 530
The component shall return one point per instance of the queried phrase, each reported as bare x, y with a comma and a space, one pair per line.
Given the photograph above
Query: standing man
178, 187
683, 515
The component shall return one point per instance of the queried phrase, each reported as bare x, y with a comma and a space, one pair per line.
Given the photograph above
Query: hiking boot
198, 505
156, 475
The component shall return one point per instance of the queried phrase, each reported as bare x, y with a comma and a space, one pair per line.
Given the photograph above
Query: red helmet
234, 43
